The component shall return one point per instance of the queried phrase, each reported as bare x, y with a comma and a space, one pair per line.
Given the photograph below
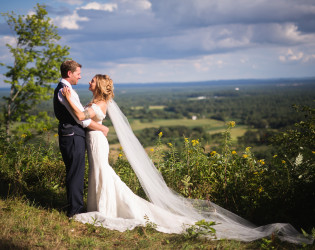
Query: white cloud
142, 4
71, 2
31, 12
291, 56
5, 55
98, 6
69, 22
8, 40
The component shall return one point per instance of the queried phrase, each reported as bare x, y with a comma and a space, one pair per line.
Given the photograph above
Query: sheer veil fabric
228, 225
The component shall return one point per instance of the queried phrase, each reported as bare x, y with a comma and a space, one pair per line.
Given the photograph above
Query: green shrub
27, 167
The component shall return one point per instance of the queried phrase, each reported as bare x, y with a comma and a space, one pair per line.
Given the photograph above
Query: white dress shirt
76, 100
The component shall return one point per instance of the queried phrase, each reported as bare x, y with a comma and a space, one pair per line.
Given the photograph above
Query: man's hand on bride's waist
105, 130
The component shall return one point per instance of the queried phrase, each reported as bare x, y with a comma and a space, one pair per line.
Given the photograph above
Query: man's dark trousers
73, 153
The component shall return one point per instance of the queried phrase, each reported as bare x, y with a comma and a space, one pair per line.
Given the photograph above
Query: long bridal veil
228, 225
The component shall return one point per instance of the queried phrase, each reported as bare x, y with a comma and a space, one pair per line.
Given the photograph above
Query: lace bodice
99, 115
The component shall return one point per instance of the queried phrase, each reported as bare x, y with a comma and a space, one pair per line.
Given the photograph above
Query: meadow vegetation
207, 161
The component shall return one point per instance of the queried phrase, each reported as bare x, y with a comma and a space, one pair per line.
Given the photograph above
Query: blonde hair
104, 88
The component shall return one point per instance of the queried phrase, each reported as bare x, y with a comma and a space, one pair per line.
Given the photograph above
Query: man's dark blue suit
72, 147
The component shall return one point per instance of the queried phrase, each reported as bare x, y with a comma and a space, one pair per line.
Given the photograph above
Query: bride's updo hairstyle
104, 88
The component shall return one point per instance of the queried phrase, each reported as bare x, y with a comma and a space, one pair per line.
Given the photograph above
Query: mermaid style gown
113, 205
110, 203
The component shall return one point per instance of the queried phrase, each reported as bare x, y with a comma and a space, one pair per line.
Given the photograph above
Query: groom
71, 133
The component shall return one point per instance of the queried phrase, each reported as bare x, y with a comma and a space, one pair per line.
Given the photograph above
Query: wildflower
283, 161
255, 173
313, 152
231, 124
151, 149
233, 152
195, 142
160, 134
260, 189
55, 135
23, 135
170, 144
245, 156
186, 140
120, 155
247, 149
213, 153
275, 156
299, 160
44, 129
262, 162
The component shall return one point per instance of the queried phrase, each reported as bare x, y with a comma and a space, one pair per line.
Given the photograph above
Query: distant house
201, 97
194, 117
237, 89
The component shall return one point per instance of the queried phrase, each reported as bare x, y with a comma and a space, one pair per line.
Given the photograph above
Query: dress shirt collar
64, 81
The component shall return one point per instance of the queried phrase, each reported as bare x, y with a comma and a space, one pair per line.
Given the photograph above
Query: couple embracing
110, 202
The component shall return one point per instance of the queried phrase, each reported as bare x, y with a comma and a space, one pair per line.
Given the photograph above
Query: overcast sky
143, 41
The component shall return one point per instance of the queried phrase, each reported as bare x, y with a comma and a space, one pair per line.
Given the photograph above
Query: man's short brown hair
68, 65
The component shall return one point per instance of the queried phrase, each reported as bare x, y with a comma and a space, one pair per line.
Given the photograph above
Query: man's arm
77, 103
90, 124
96, 126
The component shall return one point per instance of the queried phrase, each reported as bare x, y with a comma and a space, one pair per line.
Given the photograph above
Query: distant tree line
260, 107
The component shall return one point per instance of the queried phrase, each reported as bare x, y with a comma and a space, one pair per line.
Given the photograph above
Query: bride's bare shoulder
102, 105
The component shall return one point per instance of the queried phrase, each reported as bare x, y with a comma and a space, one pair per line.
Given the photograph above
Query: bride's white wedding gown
113, 205
110, 202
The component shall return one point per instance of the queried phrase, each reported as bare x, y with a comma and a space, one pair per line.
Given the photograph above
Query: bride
111, 204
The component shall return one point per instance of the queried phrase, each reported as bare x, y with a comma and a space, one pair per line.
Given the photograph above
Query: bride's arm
88, 113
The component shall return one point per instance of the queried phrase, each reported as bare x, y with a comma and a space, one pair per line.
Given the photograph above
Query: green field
150, 107
210, 125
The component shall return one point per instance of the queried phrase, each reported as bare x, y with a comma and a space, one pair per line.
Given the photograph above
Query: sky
150, 41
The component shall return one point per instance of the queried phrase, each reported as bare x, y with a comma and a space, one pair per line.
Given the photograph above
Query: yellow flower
160, 134
245, 156
170, 144
23, 135
256, 173
186, 140
213, 152
44, 129
151, 149
260, 189
248, 149
195, 142
275, 156
120, 155
231, 124
262, 162
283, 161
313, 152
233, 152
55, 135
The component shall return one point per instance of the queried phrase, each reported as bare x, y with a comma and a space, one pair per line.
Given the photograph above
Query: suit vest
67, 125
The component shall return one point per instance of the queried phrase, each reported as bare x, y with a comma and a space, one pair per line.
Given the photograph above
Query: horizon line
197, 81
